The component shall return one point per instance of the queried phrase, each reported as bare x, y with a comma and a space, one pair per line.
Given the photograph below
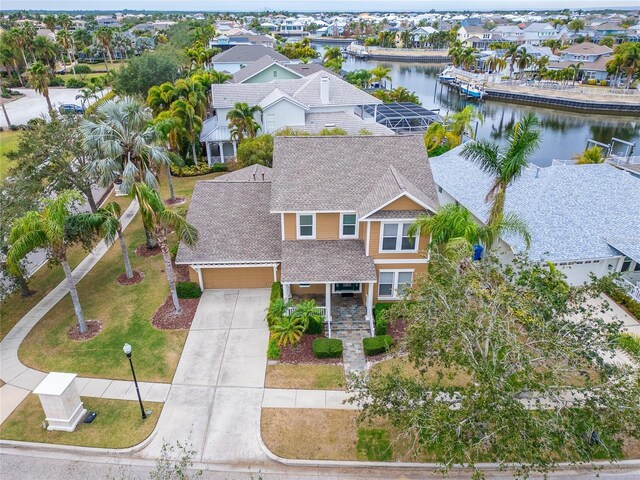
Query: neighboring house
465, 33
267, 69
330, 220
225, 42
421, 33
285, 103
582, 218
608, 29
240, 56
107, 22
508, 33
594, 59
292, 26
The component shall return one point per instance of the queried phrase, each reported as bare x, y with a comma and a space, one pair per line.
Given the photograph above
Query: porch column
286, 291
235, 148
370, 298
327, 300
208, 152
220, 146
275, 273
199, 269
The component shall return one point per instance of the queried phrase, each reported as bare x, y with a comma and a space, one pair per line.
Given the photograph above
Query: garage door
251, 277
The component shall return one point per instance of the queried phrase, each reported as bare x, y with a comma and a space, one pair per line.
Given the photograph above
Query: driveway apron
217, 390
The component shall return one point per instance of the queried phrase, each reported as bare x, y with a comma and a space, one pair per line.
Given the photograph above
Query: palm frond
23, 245
485, 154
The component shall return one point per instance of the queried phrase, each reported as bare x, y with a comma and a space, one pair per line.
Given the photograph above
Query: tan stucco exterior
418, 269
313, 289
374, 246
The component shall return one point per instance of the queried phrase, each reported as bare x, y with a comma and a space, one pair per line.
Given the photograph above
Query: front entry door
347, 288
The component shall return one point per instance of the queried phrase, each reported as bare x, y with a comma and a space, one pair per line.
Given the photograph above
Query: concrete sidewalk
292, 398
21, 379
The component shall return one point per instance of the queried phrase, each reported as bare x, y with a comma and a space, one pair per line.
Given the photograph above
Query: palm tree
505, 164
495, 64
589, 156
121, 43
45, 51
164, 221
542, 63
23, 38
453, 225
511, 55
103, 36
462, 121
307, 312
467, 58
126, 145
191, 124
50, 22
85, 95
65, 40
627, 57
380, 73
331, 53
524, 60
192, 91
437, 134
160, 97
242, 120
46, 229
575, 70
38, 77
287, 330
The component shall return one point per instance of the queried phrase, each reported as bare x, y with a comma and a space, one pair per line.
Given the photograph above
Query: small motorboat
471, 90
447, 75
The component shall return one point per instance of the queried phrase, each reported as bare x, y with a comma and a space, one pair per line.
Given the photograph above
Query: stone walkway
21, 380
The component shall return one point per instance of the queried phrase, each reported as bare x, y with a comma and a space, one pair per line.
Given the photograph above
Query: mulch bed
174, 201
165, 317
143, 251
137, 277
93, 328
303, 352
182, 273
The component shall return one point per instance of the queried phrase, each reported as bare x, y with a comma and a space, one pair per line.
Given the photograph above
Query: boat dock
467, 84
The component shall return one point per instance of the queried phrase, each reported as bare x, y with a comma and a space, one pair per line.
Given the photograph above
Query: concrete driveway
216, 394
32, 104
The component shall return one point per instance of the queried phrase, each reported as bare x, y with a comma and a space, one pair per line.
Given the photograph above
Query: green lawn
117, 425
305, 376
83, 77
8, 142
125, 314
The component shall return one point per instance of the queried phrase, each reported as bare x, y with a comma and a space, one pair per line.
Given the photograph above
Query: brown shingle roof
587, 48
233, 222
339, 173
252, 173
308, 261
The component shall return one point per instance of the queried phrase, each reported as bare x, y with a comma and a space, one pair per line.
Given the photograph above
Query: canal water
564, 134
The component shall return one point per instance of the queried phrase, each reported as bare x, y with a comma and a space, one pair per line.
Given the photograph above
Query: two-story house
330, 221
239, 56
591, 57
296, 103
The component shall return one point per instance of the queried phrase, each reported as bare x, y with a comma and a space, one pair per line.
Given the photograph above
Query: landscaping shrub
75, 83
377, 344
195, 170
273, 350
82, 69
592, 81
327, 347
56, 82
276, 294
315, 326
604, 83
618, 295
380, 317
188, 290
630, 344
93, 107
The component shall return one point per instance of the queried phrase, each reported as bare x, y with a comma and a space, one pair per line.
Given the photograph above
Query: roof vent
263, 176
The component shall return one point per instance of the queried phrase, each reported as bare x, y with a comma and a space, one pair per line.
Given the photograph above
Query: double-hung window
393, 284
306, 226
348, 225
395, 238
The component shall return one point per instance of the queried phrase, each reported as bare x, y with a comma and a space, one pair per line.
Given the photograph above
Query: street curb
52, 447
619, 465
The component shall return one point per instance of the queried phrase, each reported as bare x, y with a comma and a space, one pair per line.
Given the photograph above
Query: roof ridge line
396, 176
309, 79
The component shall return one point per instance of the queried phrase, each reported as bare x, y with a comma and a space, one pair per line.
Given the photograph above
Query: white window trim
416, 239
394, 286
341, 235
333, 288
313, 226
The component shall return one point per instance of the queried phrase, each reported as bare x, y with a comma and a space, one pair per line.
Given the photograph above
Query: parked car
70, 108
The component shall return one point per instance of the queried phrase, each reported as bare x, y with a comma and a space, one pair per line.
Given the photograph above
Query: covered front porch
338, 275
217, 139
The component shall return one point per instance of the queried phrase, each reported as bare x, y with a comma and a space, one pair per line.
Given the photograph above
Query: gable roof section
233, 222
258, 66
315, 122
247, 53
305, 90
339, 173
278, 95
252, 173
572, 211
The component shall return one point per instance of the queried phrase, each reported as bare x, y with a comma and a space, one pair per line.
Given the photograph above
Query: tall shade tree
453, 226
242, 120
164, 221
505, 164
38, 78
498, 358
126, 145
46, 229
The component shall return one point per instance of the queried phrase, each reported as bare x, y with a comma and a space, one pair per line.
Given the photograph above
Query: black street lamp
127, 351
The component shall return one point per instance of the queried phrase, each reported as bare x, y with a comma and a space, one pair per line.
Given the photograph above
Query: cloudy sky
312, 5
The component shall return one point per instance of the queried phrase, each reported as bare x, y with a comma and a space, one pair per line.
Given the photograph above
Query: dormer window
306, 226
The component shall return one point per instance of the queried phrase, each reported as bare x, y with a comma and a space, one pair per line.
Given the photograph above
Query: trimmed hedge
56, 82
327, 347
377, 344
618, 295
188, 290
315, 327
380, 317
75, 83
276, 294
194, 171
82, 69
